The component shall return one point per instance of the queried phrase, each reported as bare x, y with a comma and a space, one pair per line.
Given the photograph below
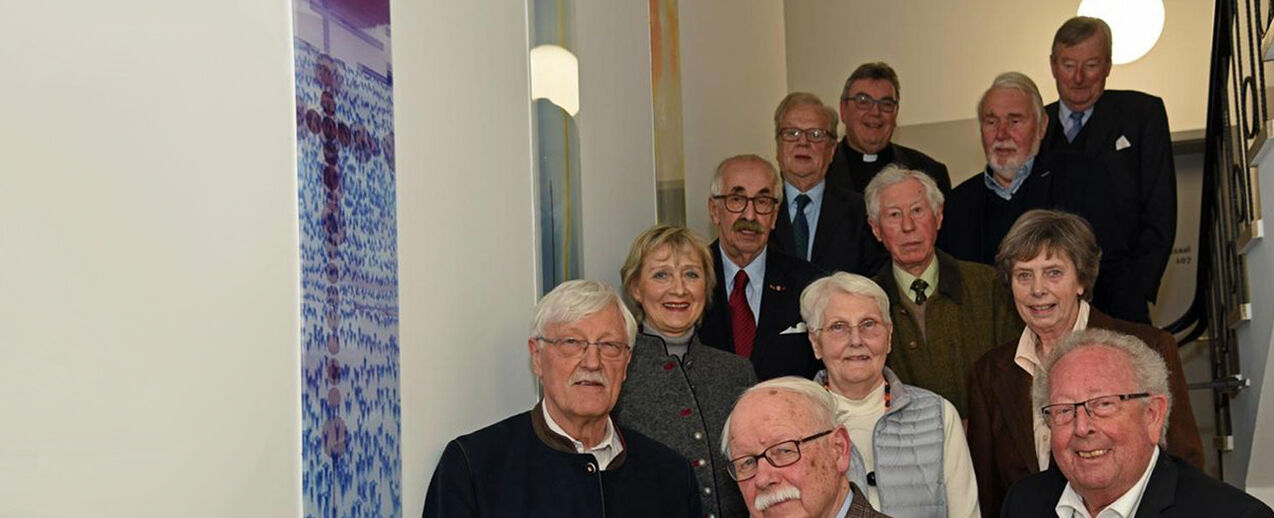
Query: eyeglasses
812, 134
575, 347
737, 202
868, 328
1102, 406
864, 102
782, 454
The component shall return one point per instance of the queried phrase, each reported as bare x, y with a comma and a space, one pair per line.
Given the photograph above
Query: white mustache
773, 497
1006, 145
581, 376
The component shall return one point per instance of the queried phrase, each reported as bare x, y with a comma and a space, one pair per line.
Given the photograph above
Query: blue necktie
801, 227
1077, 122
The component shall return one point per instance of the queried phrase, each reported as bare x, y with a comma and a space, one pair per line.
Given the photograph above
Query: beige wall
733, 75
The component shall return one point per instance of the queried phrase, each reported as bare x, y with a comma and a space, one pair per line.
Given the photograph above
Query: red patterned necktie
741, 321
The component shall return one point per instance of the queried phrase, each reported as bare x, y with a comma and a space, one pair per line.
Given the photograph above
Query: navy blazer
1141, 169
842, 238
1175, 489
1060, 181
774, 353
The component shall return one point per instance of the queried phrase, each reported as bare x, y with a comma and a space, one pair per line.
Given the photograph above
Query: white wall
733, 75
148, 260
466, 223
616, 131
947, 53
1253, 411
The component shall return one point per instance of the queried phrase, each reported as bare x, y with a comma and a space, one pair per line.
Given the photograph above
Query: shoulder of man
1200, 492
795, 273
1034, 496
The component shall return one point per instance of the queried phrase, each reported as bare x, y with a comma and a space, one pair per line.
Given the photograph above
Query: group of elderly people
908, 383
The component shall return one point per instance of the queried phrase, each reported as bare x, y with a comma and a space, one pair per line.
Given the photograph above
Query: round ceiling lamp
1135, 24
555, 76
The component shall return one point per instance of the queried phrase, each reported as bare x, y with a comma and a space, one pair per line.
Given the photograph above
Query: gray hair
718, 178
795, 99
1077, 30
1049, 232
820, 402
815, 297
894, 174
575, 300
1149, 370
1020, 82
874, 70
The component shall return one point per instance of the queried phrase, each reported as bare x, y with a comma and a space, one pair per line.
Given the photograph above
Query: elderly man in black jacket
566, 457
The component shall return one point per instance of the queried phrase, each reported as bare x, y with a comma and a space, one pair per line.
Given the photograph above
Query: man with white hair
946, 312
789, 455
1105, 398
566, 457
1019, 177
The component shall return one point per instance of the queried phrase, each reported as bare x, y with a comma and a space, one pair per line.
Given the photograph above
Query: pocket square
796, 329
1122, 143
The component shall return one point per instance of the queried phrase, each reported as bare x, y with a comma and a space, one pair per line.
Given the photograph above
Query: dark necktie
801, 227
741, 321
1077, 122
919, 286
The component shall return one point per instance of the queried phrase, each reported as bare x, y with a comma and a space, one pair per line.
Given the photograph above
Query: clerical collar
1018, 179
884, 154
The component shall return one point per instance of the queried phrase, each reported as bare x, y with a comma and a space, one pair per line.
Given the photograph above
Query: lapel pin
777, 287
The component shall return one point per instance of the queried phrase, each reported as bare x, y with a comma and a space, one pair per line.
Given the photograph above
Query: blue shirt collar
1018, 179
1064, 114
790, 192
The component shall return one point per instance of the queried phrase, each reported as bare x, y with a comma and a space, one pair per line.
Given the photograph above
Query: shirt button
698, 436
591, 468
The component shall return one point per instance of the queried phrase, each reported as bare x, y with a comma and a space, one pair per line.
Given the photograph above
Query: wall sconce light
555, 76
1135, 25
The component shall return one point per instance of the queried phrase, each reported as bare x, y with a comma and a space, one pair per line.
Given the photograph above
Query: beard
1005, 169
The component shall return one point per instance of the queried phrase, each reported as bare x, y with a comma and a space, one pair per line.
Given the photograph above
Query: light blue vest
907, 443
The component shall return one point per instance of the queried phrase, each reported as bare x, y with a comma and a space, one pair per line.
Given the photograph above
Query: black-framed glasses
736, 203
811, 134
575, 347
1061, 414
868, 328
782, 454
864, 102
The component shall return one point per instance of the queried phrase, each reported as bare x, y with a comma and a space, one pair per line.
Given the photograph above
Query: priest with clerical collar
869, 106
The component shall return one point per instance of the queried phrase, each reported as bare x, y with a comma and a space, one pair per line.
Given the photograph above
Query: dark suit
848, 171
1143, 174
842, 238
1001, 437
773, 354
1175, 489
975, 219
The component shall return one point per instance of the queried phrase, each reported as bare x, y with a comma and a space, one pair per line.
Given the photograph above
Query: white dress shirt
604, 451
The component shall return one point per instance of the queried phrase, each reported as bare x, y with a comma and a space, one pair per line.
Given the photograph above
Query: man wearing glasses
788, 455
827, 227
756, 305
869, 108
1105, 399
566, 457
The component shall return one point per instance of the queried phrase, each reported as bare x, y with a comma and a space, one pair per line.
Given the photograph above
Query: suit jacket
1001, 438
774, 353
975, 220
842, 238
1141, 168
1175, 489
860, 507
968, 312
842, 176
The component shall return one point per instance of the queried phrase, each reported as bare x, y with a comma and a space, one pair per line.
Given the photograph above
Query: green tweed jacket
970, 313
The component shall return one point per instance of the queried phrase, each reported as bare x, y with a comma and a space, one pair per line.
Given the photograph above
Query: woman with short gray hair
1050, 261
908, 450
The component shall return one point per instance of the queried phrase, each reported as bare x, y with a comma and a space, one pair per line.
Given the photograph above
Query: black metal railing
1230, 211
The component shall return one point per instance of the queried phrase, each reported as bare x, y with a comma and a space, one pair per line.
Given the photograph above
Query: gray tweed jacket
683, 404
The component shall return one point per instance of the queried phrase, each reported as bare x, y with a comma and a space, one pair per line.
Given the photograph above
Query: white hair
1020, 82
819, 401
572, 301
718, 178
816, 296
1149, 370
894, 174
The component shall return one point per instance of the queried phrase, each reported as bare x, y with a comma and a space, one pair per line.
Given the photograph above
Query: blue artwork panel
350, 405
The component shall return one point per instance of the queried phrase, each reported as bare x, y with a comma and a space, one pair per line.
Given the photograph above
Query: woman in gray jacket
679, 391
